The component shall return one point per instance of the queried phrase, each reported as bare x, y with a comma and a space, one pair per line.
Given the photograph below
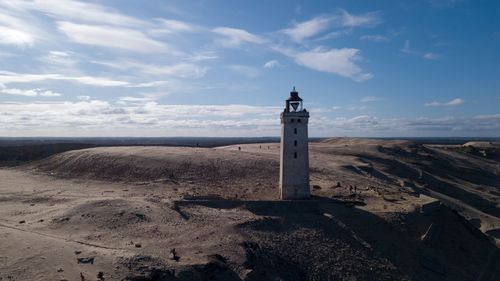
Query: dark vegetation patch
489, 153
150, 268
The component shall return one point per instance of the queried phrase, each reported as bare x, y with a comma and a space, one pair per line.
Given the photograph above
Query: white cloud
111, 37
141, 115
74, 10
49, 94
232, 37
169, 26
363, 20
10, 36
444, 126
335, 34
19, 92
136, 113
325, 109
205, 111
245, 70
11, 77
16, 30
149, 84
83, 98
202, 56
431, 56
374, 38
59, 53
135, 100
59, 58
20, 23
453, 102
308, 28
358, 122
271, 64
182, 70
96, 25
339, 61
94, 81
451, 124
28, 93
175, 25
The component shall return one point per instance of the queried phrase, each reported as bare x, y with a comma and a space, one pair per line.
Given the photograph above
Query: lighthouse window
295, 130
292, 120
295, 143
298, 120
295, 155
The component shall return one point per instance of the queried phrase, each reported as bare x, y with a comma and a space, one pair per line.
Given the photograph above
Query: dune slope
119, 213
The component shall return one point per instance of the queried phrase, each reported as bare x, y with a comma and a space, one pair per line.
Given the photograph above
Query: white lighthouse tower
294, 161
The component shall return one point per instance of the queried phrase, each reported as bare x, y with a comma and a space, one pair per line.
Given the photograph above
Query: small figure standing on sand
175, 257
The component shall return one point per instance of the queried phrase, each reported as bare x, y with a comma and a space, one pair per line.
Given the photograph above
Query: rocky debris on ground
87, 260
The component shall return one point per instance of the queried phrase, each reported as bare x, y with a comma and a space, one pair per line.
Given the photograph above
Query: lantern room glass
296, 106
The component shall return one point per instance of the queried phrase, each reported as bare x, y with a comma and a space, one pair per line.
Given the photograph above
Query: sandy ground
117, 213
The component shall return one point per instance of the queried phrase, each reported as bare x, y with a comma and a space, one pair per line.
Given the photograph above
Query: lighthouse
294, 154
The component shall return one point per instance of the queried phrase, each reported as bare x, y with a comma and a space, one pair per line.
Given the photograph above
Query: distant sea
122, 141
199, 141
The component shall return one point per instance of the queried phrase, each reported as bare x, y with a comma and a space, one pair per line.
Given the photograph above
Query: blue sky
224, 68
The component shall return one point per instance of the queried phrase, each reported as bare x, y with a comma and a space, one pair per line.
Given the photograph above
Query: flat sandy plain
117, 213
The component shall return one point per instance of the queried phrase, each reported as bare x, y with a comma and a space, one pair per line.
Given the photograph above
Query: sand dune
116, 213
